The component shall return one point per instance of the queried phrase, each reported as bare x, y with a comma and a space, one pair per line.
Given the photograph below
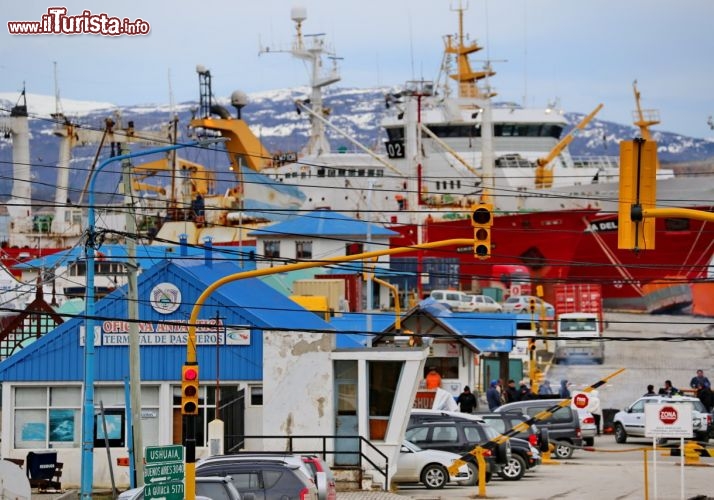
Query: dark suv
262, 479
563, 426
460, 436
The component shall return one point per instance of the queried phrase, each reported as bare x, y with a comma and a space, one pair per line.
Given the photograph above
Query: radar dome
298, 14
239, 99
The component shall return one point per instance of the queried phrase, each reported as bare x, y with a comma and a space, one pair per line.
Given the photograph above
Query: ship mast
313, 55
644, 118
465, 76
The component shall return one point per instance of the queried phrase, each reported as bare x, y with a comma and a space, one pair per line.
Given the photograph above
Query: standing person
701, 384
595, 409
545, 388
650, 391
493, 395
564, 392
510, 394
524, 392
668, 389
467, 401
433, 379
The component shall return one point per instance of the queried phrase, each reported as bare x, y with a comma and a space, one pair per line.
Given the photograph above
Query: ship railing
602, 162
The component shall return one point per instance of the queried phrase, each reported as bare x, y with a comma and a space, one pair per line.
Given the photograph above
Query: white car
483, 303
429, 467
587, 426
630, 422
520, 304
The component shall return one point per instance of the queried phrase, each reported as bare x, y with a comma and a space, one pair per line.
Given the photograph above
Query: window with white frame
303, 249
47, 417
272, 249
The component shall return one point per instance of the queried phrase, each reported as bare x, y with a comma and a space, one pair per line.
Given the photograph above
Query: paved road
650, 362
608, 473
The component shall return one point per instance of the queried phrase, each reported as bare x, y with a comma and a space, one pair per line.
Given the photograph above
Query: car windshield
513, 300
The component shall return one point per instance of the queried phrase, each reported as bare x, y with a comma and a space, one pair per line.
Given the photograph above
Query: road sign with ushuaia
164, 473
668, 420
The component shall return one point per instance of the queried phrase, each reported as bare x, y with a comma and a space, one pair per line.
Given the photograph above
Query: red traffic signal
189, 390
482, 220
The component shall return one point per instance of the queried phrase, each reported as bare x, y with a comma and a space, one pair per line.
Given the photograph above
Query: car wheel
620, 434
563, 450
434, 476
514, 469
474, 476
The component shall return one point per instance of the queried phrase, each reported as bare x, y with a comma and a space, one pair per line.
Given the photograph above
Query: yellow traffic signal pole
190, 437
638, 197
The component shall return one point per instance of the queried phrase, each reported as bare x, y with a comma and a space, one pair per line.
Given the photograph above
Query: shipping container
352, 295
333, 289
576, 298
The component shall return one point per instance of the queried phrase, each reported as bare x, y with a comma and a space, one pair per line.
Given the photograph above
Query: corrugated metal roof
58, 355
146, 256
323, 223
352, 328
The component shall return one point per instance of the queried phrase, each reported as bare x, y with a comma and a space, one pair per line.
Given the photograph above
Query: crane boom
544, 174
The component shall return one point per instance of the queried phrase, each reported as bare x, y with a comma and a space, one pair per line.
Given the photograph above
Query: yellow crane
544, 173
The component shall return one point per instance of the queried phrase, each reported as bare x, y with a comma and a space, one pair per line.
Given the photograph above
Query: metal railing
365, 448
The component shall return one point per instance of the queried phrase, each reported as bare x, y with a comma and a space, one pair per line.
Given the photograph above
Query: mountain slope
273, 117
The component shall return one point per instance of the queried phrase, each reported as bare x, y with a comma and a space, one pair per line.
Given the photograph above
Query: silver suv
630, 422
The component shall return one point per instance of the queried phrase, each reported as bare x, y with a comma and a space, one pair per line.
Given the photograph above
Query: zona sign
668, 415
581, 400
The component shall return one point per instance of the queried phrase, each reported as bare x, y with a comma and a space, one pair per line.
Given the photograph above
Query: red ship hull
545, 242
647, 280
581, 247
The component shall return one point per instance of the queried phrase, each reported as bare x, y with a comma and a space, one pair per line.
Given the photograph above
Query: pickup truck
579, 338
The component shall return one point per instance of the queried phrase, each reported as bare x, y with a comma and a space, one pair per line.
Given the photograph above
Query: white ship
445, 144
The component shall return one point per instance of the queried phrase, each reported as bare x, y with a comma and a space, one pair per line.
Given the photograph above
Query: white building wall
297, 387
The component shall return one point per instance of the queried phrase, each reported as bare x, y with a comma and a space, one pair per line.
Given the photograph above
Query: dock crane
544, 173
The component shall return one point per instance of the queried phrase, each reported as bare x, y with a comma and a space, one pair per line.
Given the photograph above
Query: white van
456, 300
579, 336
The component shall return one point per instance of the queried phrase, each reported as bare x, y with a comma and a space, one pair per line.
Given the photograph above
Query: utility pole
133, 317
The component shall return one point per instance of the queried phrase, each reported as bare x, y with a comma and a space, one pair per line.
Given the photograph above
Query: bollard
545, 458
691, 453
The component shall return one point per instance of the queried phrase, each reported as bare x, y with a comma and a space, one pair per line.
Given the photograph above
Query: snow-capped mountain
273, 117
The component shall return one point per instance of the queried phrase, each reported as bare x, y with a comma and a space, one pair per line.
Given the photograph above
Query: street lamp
88, 415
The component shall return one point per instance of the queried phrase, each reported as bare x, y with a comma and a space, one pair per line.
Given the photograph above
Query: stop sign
668, 415
581, 400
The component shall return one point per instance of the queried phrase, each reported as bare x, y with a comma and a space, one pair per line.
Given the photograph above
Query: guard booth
43, 470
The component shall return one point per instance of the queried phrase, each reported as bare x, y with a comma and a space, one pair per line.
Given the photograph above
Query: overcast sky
581, 52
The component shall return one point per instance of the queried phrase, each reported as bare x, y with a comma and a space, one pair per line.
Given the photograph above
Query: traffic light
638, 182
482, 220
531, 345
189, 390
532, 305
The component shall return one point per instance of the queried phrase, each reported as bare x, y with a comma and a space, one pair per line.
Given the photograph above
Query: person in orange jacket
433, 379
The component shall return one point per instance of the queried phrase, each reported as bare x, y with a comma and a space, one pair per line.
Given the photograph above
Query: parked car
520, 304
288, 458
587, 426
630, 422
430, 467
563, 426
262, 479
216, 488
327, 491
483, 303
523, 455
453, 299
460, 436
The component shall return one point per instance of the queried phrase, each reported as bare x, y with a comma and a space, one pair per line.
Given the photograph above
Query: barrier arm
189, 438
523, 426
